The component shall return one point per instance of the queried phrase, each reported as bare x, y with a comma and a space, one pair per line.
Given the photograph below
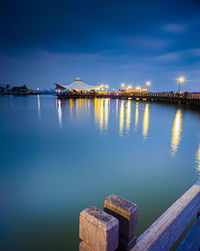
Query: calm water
59, 157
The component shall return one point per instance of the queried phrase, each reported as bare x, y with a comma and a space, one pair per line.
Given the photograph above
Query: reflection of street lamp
180, 81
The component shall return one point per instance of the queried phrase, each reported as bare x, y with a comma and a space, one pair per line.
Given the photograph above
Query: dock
162, 97
113, 228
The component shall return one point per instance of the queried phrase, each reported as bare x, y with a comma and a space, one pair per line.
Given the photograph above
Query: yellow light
176, 132
136, 115
122, 85
96, 109
106, 115
128, 115
146, 121
107, 86
101, 113
121, 118
181, 80
148, 83
138, 88
130, 86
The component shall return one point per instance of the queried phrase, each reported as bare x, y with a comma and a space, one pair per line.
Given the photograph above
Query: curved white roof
78, 84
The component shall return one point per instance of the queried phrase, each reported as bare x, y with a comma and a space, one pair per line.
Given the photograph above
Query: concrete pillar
98, 230
127, 213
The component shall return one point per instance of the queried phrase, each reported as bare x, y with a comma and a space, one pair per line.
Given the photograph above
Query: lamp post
180, 81
138, 88
123, 85
148, 83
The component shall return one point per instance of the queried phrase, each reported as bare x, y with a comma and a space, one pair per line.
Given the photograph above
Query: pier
173, 98
113, 228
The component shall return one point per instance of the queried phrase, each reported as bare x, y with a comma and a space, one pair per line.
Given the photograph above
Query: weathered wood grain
127, 213
191, 241
163, 233
99, 230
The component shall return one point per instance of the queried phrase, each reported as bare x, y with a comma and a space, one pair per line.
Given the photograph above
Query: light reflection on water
38, 102
70, 154
176, 132
101, 112
146, 121
128, 115
136, 115
121, 118
59, 109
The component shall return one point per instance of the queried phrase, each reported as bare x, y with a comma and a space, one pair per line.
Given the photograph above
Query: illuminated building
77, 86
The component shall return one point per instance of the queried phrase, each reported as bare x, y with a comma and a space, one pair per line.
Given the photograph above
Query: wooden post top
99, 217
121, 206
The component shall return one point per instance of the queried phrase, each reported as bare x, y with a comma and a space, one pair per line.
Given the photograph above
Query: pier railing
167, 97
114, 227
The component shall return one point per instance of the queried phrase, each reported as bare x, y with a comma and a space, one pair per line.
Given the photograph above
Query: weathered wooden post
127, 213
98, 230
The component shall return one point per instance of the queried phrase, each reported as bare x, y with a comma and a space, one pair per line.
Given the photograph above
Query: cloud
175, 28
184, 55
147, 42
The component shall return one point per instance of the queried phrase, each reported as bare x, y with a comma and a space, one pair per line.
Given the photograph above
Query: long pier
113, 228
173, 98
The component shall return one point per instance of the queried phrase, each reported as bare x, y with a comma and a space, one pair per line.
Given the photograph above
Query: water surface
60, 156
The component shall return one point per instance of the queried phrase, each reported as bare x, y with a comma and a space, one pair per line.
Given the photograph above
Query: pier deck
173, 98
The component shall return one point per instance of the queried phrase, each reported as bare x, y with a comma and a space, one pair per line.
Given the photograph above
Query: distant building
143, 90
77, 86
20, 89
140, 90
4, 88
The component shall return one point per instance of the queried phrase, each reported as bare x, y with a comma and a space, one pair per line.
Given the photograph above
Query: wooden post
191, 242
98, 230
127, 213
163, 233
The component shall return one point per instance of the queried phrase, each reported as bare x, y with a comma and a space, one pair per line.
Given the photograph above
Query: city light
176, 132
138, 88
129, 87
122, 85
148, 83
180, 81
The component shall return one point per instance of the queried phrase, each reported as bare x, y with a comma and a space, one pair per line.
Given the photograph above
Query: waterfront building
4, 88
77, 86
142, 90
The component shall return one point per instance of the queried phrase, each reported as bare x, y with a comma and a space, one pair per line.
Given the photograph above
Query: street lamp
180, 81
148, 83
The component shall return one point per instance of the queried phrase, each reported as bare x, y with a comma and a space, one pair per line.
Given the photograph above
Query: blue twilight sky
42, 42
